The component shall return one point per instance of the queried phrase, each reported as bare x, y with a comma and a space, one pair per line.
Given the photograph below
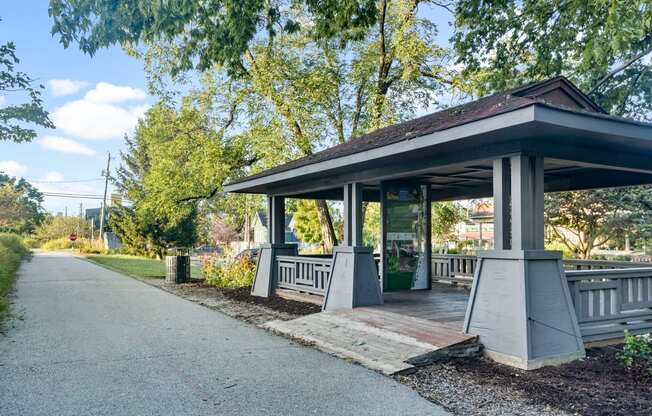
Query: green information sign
405, 229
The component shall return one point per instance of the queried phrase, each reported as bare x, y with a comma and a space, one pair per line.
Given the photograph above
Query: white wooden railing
609, 301
303, 274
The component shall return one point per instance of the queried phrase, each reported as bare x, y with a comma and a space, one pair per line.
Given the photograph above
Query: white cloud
97, 117
111, 94
49, 183
12, 168
60, 87
3, 100
63, 145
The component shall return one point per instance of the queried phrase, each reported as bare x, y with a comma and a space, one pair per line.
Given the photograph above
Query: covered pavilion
542, 137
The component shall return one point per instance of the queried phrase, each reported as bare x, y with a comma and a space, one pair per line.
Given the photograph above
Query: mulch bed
597, 385
277, 303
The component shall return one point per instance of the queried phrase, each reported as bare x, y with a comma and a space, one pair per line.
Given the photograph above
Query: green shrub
14, 243
637, 352
12, 251
62, 243
234, 273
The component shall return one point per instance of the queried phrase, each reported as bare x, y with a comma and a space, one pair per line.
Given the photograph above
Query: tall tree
283, 72
603, 46
20, 205
15, 118
585, 220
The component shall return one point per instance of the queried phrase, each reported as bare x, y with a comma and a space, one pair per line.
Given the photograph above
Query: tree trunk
326, 224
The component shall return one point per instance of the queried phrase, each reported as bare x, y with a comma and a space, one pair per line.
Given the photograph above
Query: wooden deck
410, 329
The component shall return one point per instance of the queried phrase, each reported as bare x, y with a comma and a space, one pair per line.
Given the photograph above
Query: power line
70, 181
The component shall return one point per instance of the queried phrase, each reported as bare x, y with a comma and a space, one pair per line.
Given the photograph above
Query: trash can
177, 267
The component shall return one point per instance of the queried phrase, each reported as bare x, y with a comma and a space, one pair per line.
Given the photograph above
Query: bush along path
12, 252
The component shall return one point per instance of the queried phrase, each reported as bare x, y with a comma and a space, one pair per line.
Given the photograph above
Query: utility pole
106, 186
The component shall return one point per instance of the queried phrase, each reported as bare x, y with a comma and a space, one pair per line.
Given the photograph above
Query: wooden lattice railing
459, 268
609, 301
303, 274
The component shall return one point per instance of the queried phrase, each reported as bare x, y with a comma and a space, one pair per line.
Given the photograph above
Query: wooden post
502, 191
353, 214
527, 202
276, 219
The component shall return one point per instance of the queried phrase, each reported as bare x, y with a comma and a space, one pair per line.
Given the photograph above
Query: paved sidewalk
94, 342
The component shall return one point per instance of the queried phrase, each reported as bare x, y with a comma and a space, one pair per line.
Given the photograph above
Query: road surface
94, 342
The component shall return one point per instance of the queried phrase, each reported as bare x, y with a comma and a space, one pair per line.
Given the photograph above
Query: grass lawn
134, 266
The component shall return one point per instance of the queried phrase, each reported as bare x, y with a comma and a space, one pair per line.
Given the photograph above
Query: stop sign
72, 237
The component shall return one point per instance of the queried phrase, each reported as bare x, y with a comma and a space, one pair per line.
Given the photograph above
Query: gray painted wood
609, 301
277, 219
303, 274
265, 280
521, 309
526, 202
353, 214
353, 279
502, 196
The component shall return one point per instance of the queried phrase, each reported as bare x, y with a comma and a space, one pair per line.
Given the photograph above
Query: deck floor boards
384, 337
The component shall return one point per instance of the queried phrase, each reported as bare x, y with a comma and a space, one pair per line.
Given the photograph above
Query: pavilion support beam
265, 281
353, 214
354, 277
520, 306
502, 196
527, 202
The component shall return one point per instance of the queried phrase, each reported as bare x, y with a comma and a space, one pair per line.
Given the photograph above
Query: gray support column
276, 226
527, 202
353, 214
265, 281
354, 278
502, 195
520, 306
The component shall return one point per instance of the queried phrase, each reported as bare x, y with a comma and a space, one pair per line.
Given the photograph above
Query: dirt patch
238, 303
598, 385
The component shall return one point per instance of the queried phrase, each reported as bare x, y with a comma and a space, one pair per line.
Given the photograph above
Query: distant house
93, 214
479, 227
260, 227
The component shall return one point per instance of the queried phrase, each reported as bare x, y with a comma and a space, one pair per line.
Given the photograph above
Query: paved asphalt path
94, 342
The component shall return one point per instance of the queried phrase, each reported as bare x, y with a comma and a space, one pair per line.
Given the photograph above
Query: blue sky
93, 102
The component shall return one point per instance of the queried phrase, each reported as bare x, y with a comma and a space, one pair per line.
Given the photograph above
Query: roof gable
558, 91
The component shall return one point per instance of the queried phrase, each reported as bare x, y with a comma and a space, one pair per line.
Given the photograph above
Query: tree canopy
602, 46
585, 220
206, 32
20, 205
15, 118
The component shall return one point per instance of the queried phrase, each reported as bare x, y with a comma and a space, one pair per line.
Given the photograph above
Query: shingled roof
557, 91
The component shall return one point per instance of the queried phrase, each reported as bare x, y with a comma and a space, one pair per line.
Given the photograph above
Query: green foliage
230, 273
12, 251
205, 32
584, 220
307, 227
176, 160
445, 216
637, 352
84, 245
14, 118
600, 45
20, 205
61, 227
371, 227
